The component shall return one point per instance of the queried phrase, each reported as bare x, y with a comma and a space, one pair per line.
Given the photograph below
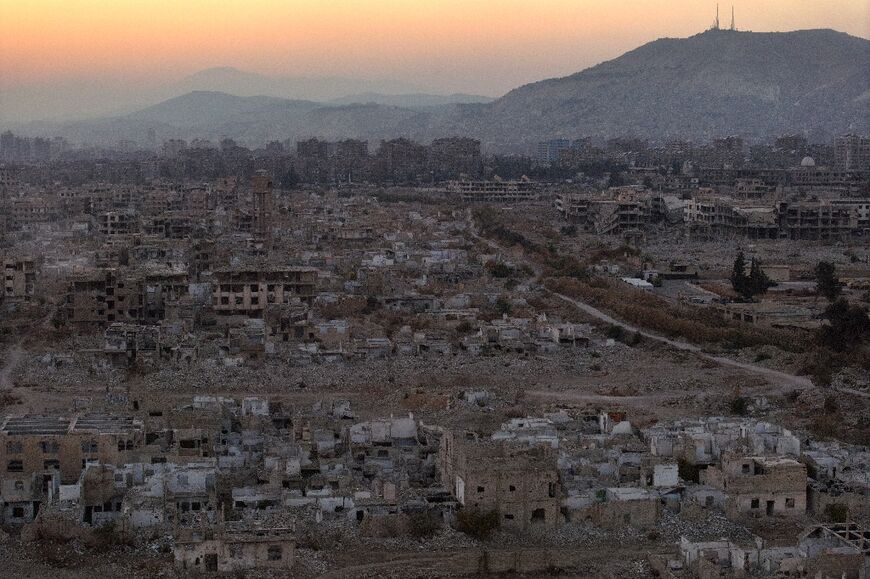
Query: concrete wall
64, 448
227, 556
641, 514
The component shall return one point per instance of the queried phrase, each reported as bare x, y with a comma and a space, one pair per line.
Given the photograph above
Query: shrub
821, 365
463, 327
502, 306
421, 525
698, 325
837, 512
827, 282
109, 535
849, 326
499, 269
688, 471
614, 332
477, 523
317, 539
739, 406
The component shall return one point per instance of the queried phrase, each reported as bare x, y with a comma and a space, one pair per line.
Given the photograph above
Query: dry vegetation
696, 325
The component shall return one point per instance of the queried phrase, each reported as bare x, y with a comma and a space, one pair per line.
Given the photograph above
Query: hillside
757, 85
715, 83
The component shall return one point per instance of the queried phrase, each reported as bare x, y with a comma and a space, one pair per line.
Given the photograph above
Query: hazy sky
480, 46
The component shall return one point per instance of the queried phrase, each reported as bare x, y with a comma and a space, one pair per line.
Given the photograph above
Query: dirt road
783, 381
11, 361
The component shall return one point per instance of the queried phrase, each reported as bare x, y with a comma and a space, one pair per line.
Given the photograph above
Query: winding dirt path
783, 381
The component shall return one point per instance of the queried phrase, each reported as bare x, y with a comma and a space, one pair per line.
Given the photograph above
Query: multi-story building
574, 207
23, 213
103, 296
351, 160
551, 151
312, 149
811, 178
40, 453
760, 486
852, 153
19, 279
520, 482
620, 215
400, 161
455, 157
820, 220
494, 191
249, 291
117, 223
723, 216
7, 180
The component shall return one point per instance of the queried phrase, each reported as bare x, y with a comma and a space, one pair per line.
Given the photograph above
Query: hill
718, 83
712, 84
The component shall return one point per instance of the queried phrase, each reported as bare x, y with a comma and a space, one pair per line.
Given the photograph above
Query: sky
476, 46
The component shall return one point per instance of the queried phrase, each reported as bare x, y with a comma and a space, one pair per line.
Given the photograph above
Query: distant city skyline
482, 47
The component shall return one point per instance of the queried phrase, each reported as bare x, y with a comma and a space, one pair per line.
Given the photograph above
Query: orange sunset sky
480, 46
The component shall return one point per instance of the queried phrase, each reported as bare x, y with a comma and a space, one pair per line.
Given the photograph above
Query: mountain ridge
728, 82
716, 83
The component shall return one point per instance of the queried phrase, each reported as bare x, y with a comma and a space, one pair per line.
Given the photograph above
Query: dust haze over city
419, 288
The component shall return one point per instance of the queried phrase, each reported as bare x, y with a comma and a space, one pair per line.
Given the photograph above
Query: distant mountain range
757, 85
417, 101
333, 90
103, 97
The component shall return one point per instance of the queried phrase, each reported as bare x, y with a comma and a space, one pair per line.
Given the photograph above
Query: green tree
758, 281
750, 285
848, 326
739, 281
827, 282
477, 523
503, 306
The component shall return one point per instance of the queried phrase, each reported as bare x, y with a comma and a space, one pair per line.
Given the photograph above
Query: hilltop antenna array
733, 27
716, 22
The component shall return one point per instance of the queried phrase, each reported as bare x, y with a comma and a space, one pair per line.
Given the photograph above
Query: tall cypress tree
758, 281
739, 280
827, 282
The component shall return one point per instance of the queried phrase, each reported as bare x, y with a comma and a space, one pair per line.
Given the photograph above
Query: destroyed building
520, 483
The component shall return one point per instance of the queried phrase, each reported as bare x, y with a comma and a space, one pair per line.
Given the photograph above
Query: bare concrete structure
494, 191
19, 279
103, 296
520, 483
38, 454
760, 486
262, 206
249, 291
235, 548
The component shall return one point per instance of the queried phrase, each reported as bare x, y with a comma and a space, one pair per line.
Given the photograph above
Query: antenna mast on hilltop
716, 22
733, 28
